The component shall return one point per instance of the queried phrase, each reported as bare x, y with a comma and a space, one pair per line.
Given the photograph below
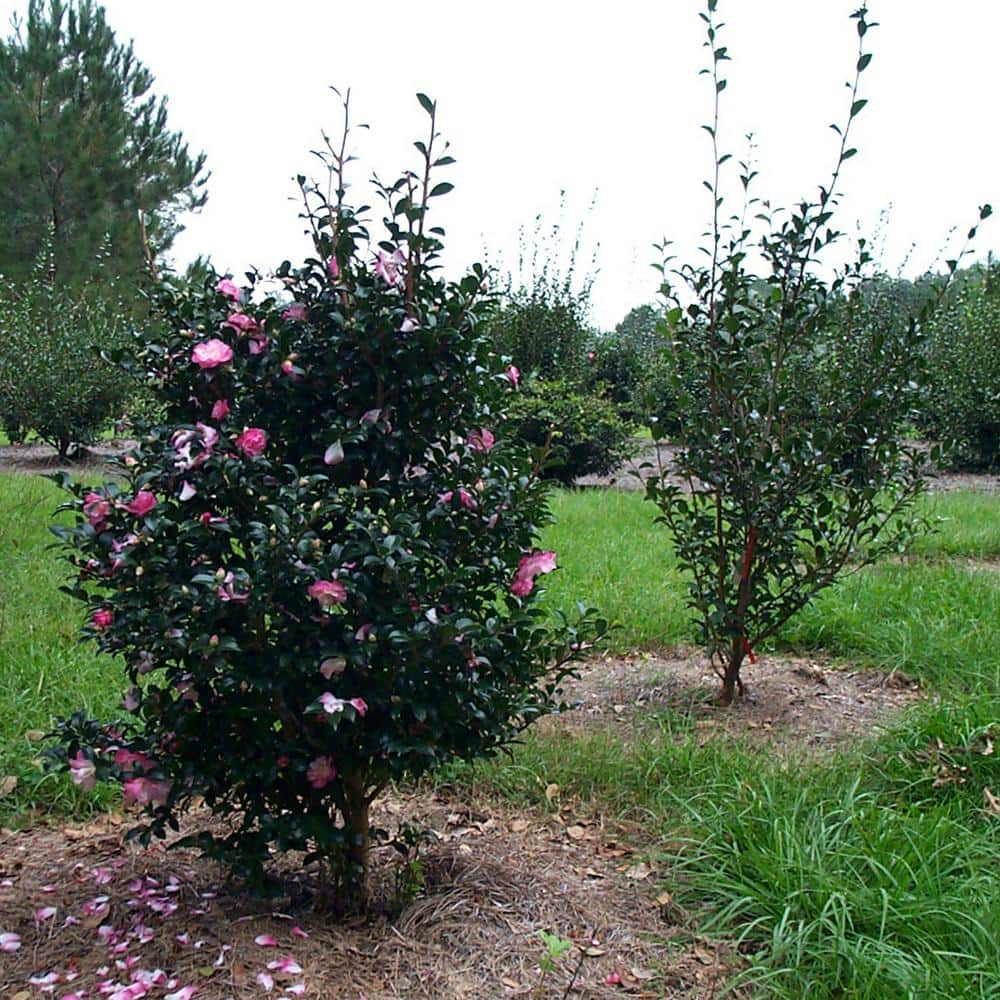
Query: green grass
612, 557
967, 524
937, 621
44, 670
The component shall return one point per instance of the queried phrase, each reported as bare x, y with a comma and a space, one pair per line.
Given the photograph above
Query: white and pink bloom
142, 503
82, 771
212, 353
331, 704
334, 454
514, 374
187, 491
388, 266
9, 942
226, 591
230, 289
328, 592
209, 435
481, 440
145, 791
286, 964
252, 442
296, 313
320, 773
408, 325
530, 567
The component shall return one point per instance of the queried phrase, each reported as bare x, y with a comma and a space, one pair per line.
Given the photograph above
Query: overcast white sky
537, 97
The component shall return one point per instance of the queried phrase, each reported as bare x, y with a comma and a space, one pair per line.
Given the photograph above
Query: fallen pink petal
266, 941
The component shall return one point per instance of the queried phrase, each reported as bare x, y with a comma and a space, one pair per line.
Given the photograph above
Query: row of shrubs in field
585, 392
591, 390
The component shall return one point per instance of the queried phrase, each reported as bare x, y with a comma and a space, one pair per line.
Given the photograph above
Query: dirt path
647, 456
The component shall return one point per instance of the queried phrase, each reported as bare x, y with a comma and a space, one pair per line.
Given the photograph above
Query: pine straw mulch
492, 879
790, 705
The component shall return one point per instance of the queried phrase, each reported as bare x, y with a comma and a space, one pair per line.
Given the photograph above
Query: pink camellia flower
9, 942
359, 705
257, 341
82, 771
96, 510
333, 268
220, 410
321, 772
242, 323
252, 442
464, 496
514, 374
229, 288
481, 440
387, 266
528, 568
266, 941
145, 791
296, 312
207, 518
364, 632
102, 618
328, 592
408, 325
143, 502
331, 704
187, 491
131, 760
226, 591
212, 353
370, 416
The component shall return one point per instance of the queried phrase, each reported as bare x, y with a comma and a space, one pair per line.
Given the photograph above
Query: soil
491, 881
791, 705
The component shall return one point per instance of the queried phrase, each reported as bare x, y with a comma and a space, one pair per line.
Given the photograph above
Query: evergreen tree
84, 146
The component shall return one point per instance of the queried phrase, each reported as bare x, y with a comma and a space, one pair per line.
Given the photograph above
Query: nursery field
834, 835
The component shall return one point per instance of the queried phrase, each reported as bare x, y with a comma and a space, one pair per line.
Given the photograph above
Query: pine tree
84, 146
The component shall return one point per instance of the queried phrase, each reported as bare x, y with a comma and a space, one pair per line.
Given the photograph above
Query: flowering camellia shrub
319, 571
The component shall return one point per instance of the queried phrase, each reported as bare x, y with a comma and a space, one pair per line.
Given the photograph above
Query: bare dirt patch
93, 462
493, 879
790, 704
